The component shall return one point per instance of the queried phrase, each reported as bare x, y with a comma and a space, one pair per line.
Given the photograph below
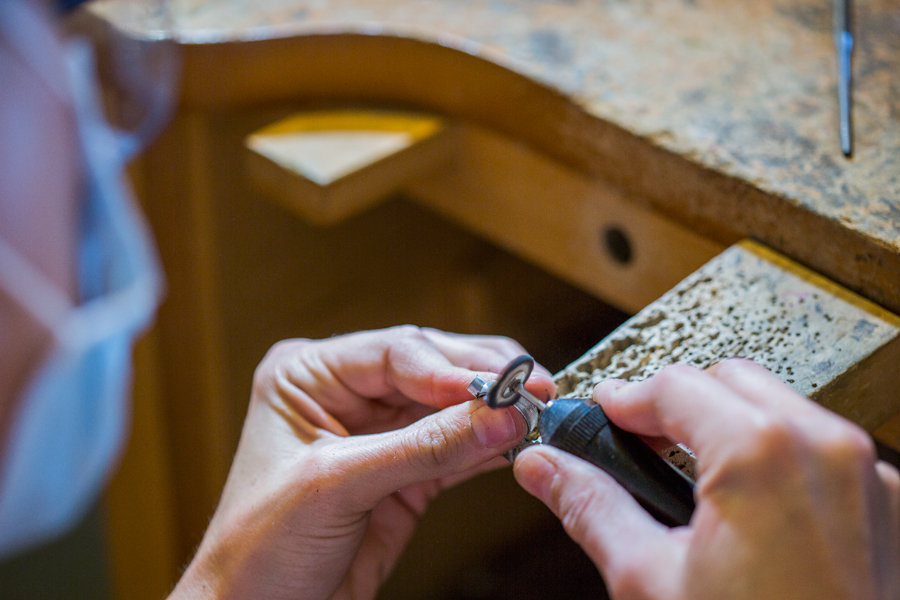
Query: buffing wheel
504, 393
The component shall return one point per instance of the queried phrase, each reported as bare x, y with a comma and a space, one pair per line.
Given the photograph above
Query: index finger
493, 353
489, 354
404, 363
394, 365
685, 405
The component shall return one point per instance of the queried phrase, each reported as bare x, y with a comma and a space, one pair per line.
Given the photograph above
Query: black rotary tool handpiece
582, 429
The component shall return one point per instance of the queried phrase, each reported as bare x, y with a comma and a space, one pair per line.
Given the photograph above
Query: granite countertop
744, 88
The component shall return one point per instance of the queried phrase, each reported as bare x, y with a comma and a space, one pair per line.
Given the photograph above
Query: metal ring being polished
516, 373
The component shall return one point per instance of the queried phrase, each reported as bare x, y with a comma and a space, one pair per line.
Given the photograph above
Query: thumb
636, 555
444, 443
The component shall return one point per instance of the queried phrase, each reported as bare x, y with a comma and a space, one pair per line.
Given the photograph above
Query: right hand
791, 500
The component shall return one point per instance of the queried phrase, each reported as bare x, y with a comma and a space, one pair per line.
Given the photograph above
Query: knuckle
738, 366
765, 446
266, 371
273, 368
832, 437
283, 347
432, 444
771, 435
408, 333
260, 376
405, 341
787, 450
675, 375
675, 379
843, 441
277, 351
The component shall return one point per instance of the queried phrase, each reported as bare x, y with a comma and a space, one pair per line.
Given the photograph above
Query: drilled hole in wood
617, 244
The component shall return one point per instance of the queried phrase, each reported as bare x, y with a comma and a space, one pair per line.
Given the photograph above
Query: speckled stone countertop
744, 88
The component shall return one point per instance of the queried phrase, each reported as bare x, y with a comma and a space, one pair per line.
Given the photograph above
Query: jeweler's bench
617, 145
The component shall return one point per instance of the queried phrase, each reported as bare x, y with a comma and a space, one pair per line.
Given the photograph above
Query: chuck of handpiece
581, 428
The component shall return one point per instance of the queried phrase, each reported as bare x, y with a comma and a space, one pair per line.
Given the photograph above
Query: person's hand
345, 442
791, 500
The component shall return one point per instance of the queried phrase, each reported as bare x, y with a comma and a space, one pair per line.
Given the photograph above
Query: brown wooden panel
180, 205
561, 220
140, 501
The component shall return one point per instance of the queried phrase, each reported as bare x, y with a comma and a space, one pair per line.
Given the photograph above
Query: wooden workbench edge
390, 70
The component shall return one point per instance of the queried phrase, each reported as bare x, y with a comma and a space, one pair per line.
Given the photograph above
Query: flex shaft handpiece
581, 428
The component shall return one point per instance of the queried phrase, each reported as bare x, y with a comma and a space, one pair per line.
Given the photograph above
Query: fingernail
535, 474
495, 428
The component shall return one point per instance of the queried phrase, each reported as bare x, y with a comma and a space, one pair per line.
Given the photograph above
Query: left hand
345, 443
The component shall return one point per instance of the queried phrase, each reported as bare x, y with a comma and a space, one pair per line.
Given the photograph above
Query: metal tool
843, 43
580, 427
